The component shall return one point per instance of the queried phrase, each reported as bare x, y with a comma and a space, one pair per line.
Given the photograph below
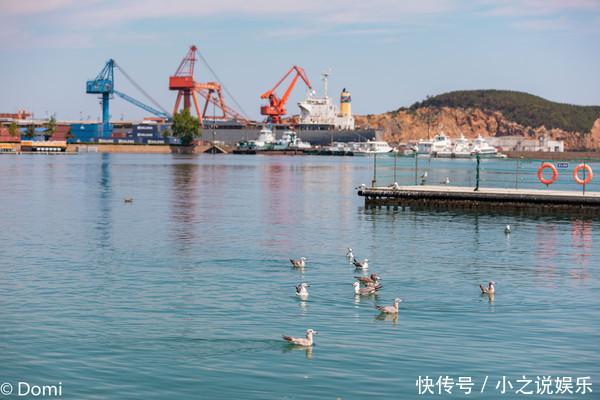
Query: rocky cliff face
405, 126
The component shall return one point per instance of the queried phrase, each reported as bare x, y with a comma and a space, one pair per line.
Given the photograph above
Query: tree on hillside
13, 129
185, 127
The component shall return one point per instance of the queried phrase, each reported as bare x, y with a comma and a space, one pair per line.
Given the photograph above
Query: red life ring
554, 173
588, 169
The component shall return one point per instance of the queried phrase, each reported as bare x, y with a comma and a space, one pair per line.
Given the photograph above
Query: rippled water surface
186, 291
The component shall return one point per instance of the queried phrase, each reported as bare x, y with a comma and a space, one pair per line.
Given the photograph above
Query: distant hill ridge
523, 108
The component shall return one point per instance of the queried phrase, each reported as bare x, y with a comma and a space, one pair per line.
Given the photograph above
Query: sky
387, 53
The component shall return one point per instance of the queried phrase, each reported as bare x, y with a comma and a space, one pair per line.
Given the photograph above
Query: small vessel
265, 139
481, 147
290, 141
373, 147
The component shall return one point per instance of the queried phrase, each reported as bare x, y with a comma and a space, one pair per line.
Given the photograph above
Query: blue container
84, 132
155, 141
125, 140
101, 139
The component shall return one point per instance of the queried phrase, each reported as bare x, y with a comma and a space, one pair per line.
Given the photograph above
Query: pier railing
484, 172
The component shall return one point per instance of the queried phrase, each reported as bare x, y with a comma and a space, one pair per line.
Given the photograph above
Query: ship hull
316, 137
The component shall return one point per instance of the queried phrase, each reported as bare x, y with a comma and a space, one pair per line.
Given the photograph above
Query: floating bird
507, 229
365, 290
361, 186
298, 263
308, 341
128, 200
490, 289
301, 290
390, 309
349, 254
394, 186
373, 280
361, 265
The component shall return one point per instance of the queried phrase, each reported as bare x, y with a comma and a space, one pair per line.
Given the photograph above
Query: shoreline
200, 149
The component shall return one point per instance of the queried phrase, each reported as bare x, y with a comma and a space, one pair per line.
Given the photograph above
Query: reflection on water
581, 242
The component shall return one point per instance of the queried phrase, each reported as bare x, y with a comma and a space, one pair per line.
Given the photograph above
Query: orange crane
183, 82
276, 109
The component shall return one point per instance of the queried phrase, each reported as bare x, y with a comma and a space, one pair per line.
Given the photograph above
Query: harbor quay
485, 199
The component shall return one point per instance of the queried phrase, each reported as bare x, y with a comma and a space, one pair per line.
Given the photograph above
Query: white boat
481, 147
265, 139
460, 148
289, 140
439, 144
373, 147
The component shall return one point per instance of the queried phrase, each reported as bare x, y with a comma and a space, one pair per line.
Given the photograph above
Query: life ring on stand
576, 176
554, 173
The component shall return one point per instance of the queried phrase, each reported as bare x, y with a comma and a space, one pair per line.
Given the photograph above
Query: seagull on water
301, 290
308, 341
349, 254
361, 186
373, 280
390, 309
299, 263
488, 290
507, 229
365, 290
361, 265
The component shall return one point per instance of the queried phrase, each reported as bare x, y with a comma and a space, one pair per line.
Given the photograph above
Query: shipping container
155, 141
119, 134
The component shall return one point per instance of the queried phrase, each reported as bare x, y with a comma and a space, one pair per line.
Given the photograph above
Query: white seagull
507, 229
308, 341
299, 263
349, 254
301, 290
365, 290
361, 186
394, 186
361, 265
390, 309
446, 181
490, 289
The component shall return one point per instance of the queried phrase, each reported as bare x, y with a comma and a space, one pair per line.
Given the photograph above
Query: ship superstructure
321, 113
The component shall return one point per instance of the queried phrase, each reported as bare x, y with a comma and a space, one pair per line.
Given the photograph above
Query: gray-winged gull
390, 309
361, 265
365, 290
490, 289
298, 263
507, 229
301, 290
373, 280
308, 341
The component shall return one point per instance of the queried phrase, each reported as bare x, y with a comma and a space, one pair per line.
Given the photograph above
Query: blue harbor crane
104, 84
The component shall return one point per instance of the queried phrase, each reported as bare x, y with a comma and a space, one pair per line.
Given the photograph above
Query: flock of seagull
370, 285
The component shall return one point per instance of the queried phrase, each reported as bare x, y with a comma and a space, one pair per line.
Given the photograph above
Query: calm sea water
185, 292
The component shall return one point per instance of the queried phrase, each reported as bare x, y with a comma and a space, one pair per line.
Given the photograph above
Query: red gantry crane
183, 82
276, 109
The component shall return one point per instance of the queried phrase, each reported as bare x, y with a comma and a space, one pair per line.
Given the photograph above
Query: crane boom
275, 110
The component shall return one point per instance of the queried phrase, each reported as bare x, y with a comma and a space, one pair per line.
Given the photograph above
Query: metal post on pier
517, 175
477, 176
395, 156
374, 183
416, 167
584, 177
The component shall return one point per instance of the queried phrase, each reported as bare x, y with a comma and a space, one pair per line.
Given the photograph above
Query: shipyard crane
183, 82
276, 109
104, 84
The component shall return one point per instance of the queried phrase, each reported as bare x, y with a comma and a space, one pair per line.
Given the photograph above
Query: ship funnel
345, 107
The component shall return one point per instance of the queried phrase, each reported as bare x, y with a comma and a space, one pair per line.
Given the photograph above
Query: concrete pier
452, 197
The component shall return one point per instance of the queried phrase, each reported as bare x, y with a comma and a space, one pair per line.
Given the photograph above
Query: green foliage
13, 129
166, 133
50, 128
30, 131
185, 127
522, 108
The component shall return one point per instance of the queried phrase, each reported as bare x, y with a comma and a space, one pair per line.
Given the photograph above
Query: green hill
522, 108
